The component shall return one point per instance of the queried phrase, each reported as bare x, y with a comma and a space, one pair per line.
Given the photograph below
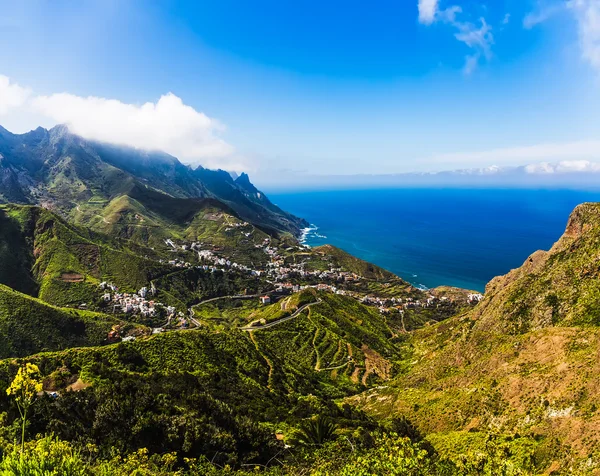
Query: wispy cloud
168, 124
587, 13
470, 64
542, 13
478, 37
566, 151
587, 16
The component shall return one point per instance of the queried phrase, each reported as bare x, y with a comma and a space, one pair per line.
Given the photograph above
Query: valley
180, 304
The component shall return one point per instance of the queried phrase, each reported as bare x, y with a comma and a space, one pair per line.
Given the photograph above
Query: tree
315, 432
24, 388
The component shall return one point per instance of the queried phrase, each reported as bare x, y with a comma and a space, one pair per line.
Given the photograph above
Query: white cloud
506, 19
12, 95
168, 125
427, 11
563, 167
478, 38
587, 13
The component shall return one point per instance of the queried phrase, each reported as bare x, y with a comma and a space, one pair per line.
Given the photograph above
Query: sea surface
433, 237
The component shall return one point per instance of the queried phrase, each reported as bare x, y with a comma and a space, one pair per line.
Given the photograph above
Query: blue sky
312, 87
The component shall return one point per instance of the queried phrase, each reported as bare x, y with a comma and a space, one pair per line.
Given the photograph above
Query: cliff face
556, 287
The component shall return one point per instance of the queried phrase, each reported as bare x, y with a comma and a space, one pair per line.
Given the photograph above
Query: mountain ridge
57, 168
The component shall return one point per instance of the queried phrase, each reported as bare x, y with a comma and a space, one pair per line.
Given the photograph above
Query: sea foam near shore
307, 232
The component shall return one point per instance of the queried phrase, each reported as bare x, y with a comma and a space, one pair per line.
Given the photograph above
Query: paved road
284, 319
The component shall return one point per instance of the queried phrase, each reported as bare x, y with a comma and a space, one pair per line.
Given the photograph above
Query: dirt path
318, 364
269, 363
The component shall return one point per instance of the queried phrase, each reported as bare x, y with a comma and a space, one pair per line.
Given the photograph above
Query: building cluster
387, 305
134, 303
284, 276
474, 298
237, 225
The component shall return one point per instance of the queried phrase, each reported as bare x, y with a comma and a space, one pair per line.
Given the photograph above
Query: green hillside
339, 258
523, 364
557, 287
28, 326
55, 167
199, 392
148, 218
62, 264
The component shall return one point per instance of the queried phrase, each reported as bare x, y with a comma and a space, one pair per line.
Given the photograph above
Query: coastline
306, 234
440, 236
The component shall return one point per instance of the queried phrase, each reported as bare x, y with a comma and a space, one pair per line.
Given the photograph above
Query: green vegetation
63, 264
315, 382
28, 326
195, 392
522, 362
186, 287
385, 453
340, 259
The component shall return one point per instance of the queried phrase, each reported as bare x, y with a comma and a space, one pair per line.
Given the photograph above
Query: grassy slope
16, 256
213, 387
339, 333
340, 258
27, 326
44, 249
148, 218
283, 358
520, 363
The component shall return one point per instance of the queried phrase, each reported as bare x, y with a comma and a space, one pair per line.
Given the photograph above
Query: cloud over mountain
168, 124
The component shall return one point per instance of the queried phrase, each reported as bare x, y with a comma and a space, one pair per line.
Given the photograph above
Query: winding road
236, 296
283, 319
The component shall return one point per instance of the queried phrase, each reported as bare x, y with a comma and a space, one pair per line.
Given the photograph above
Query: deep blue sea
433, 237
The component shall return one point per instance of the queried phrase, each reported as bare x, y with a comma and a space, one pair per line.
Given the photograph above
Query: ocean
433, 237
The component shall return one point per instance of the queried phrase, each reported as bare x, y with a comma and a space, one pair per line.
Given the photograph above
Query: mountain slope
28, 326
523, 363
557, 287
223, 395
46, 257
57, 168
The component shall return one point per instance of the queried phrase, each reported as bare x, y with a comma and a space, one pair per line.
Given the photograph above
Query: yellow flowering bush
24, 388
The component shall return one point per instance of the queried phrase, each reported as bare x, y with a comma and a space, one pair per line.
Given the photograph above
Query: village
139, 303
283, 277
